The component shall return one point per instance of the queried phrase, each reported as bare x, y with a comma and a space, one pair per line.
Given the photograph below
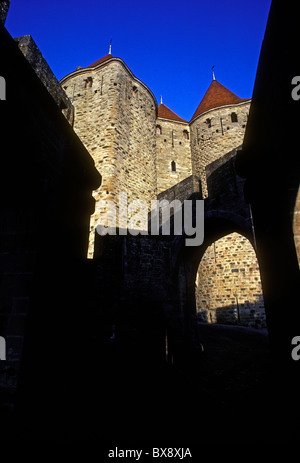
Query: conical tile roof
166, 113
101, 60
217, 95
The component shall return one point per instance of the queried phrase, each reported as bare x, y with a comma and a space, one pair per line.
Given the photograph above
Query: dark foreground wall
270, 163
4, 7
46, 181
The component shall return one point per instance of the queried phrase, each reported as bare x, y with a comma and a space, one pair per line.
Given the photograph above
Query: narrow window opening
88, 82
208, 123
234, 117
173, 166
158, 130
186, 135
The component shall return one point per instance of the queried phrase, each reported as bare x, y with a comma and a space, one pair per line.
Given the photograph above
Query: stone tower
173, 147
115, 117
217, 126
143, 149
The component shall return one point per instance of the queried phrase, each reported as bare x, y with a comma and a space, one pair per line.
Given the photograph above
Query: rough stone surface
213, 134
150, 157
182, 190
173, 153
115, 117
228, 286
4, 7
34, 56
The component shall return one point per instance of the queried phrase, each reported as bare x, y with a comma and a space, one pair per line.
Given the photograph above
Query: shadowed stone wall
42, 69
46, 182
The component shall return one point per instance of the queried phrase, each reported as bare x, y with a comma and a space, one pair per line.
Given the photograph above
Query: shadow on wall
250, 314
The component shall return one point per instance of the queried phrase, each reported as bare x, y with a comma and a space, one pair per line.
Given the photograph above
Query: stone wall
137, 294
173, 153
46, 183
228, 286
42, 69
4, 7
182, 190
226, 188
214, 133
115, 117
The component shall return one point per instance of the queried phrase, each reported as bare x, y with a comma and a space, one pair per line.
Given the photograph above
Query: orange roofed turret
217, 95
100, 61
166, 113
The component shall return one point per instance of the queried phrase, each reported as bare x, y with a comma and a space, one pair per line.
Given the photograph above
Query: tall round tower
217, 127
115, 117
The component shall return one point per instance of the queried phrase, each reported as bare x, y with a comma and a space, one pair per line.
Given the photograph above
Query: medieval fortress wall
145, 150
173, 153
215, 133
228, 285
115, 117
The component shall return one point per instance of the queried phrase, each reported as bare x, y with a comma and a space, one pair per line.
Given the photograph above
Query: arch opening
228, 286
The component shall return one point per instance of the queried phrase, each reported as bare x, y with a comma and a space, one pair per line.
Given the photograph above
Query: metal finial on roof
109, 52
161, 100
213, 72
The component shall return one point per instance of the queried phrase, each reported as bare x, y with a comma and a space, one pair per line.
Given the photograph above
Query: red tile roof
166, 113
217, 95
101, 60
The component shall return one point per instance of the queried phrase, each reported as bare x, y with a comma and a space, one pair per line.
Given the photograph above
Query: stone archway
228, 286
186, 261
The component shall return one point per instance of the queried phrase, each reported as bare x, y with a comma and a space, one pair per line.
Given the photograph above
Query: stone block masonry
173, 148
228, 286
42, 69
115, 117
215, 133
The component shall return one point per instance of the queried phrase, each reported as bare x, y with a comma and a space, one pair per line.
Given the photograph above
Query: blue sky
169, 45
